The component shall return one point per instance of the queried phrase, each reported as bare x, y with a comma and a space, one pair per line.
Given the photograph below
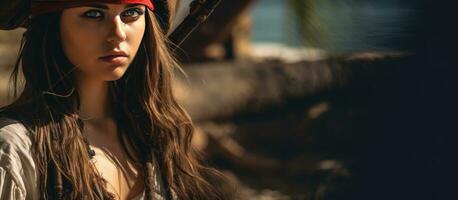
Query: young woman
96, 118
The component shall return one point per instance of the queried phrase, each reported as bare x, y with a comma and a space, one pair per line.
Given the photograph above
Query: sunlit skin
88, 34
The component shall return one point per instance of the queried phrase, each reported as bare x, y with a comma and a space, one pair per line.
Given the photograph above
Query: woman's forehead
42, 6
107, 6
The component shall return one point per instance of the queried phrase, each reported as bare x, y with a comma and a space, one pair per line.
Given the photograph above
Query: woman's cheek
79, 46
135, 37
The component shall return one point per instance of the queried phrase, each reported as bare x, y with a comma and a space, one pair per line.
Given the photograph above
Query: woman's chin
115, 74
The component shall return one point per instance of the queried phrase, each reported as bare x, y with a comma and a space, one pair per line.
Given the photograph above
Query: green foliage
308, 25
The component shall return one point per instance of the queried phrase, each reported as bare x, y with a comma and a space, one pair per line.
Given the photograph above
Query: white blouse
18, 173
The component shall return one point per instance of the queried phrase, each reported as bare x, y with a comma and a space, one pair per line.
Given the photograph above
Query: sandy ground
9, 46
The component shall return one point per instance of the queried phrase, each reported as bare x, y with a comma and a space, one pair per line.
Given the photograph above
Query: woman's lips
114, 59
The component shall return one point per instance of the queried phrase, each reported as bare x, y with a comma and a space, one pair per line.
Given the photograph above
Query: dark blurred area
356, 99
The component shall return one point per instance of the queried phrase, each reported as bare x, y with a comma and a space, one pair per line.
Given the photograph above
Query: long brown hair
143, 106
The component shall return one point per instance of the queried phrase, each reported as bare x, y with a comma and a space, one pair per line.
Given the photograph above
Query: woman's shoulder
18, 173
13, 133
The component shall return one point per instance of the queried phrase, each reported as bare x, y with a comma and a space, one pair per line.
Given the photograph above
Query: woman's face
101, 40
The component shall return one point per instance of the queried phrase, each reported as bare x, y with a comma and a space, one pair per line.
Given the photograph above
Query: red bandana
46, 6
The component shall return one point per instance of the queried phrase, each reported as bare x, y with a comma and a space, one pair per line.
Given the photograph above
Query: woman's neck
94, 99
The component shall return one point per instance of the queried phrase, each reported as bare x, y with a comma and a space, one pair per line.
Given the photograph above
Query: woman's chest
123, 176
115, 163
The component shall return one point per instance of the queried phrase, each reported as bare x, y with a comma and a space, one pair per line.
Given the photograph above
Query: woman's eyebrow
104, 7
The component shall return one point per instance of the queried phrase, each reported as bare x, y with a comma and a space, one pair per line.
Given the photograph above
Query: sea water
334, 25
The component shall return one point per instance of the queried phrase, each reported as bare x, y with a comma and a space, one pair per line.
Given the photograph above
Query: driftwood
219, 25
225, 89
330, 149
219, 31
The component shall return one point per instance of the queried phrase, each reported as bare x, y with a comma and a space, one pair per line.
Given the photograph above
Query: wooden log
225, 89
207, 42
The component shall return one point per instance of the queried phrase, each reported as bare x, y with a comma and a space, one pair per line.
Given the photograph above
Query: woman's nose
117, 31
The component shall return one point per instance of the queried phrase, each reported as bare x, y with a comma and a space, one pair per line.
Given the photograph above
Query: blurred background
320, 99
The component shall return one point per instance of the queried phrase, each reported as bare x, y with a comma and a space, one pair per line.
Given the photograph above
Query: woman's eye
93, 14
133, 13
